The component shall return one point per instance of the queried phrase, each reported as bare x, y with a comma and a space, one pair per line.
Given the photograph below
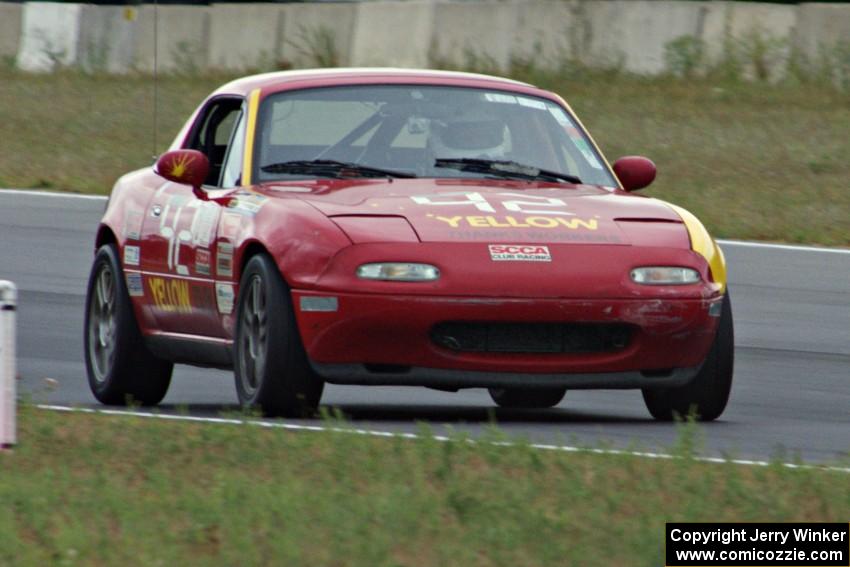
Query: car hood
440, 210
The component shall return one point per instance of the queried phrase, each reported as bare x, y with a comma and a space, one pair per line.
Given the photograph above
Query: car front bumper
387, 339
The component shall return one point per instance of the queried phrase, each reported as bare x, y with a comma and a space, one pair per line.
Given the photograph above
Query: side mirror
189, 167
634, 172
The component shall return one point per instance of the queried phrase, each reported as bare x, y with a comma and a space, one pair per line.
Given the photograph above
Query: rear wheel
527, 397
271, 367
120, 368
708, 393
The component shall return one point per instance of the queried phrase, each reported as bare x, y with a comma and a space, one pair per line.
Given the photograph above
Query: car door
179, 231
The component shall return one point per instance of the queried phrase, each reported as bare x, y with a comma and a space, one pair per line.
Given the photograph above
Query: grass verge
87, 489
752, 160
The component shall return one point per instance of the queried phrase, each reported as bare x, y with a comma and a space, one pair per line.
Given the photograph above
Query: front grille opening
387, 368
662, 373
532, 338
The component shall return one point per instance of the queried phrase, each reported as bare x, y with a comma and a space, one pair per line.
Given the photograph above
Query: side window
214, 133
232, 174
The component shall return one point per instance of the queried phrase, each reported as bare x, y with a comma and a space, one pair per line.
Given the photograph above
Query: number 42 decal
529, 204
198, 231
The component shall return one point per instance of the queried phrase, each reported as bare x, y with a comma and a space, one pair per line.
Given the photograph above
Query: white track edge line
39, 193
443, 438
794, 247
723, 242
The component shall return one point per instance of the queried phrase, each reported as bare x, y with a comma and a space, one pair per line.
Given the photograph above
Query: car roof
282, 80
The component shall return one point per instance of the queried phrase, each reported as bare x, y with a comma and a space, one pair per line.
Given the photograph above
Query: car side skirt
188, 349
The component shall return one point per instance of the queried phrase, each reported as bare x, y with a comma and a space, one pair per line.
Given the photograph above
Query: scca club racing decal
519, 253
171, 295
520, 211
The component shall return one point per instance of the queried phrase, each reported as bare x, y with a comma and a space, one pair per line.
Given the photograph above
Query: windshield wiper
332, 168
505, 168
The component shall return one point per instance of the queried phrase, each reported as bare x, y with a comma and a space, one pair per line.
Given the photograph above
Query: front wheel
708, 393
527, 397
271, 367
120, 368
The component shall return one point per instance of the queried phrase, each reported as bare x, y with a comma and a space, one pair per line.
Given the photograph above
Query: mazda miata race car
393, 227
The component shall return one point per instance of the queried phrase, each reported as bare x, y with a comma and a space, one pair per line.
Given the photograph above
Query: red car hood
486, 210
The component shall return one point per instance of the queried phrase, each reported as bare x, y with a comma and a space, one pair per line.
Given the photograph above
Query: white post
8, 304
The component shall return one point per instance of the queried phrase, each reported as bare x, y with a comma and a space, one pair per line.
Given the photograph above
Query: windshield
415, 130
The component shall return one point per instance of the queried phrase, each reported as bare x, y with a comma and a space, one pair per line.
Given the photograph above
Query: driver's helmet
469, 135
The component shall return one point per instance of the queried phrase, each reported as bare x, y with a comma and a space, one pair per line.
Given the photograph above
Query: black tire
708, 393
271, 367
527, 397
120, 368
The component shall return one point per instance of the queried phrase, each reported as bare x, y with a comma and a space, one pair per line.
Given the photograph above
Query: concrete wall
308, 27
464, 32
49, 35
10, 30
106, 38
771, 20
822, 25
245, 36
182, 38
393, 33
631, 34
547, 31
762, 36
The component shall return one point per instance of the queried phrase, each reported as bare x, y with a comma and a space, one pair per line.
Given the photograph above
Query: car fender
301, 240
703, 244
125, 201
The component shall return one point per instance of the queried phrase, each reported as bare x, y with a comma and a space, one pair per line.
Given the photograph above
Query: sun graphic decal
180, 165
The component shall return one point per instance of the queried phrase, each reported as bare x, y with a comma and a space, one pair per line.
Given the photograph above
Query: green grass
75, 132
84, 489
752, 160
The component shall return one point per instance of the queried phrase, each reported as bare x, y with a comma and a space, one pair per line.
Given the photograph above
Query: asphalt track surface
790, 399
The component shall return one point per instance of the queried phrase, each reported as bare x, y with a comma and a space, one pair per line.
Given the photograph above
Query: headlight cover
398, 272
664, 275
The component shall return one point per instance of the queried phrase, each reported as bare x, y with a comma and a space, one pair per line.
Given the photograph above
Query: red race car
421, 228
